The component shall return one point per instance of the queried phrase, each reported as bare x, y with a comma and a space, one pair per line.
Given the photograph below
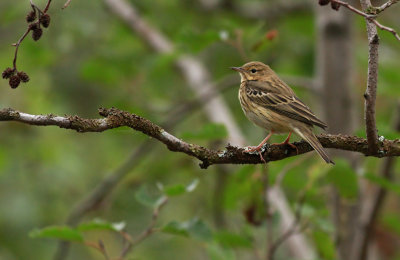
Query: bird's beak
239, 69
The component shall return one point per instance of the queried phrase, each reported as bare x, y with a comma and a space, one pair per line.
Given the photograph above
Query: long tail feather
309, 136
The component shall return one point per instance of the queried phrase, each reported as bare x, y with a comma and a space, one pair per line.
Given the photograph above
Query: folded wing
284, 104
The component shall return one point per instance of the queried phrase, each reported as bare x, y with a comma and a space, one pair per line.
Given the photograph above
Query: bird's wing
283, 104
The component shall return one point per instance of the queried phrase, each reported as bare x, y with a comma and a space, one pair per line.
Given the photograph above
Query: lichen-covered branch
114, 118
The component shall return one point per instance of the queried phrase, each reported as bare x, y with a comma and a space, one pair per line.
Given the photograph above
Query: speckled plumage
270, 103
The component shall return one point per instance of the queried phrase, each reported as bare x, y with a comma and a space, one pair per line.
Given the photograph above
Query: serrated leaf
99, 224
58, 232
143, 197
344, 179
194, 228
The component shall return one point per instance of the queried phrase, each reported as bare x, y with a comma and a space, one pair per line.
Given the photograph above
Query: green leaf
180, 188
384, 183
175, 190
228, 239
324, 244
210, 131
344, 179
99, 224
175, 228
391, 222
145, 198
194, 228
58, 232
216, 252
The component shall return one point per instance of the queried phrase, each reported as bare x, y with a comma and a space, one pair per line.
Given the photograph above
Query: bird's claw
256, 150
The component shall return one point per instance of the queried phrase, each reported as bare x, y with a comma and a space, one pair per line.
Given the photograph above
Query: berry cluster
334, 5
15, 77
36, 19
34, 26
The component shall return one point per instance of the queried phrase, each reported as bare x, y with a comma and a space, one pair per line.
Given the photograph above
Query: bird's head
254, 70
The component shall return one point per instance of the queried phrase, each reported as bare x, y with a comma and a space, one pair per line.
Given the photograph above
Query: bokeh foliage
89, 59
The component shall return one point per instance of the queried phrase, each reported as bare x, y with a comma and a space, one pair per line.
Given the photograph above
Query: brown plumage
270, 103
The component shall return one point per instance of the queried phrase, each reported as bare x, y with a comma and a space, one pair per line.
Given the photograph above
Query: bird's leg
257, 148
286, 142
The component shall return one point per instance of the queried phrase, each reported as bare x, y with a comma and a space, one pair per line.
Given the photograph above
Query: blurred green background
88, 59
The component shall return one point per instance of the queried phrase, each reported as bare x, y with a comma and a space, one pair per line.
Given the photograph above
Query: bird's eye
253, 70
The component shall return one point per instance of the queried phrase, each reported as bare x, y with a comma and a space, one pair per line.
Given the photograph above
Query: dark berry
14, 81
335, 6
37, 33
323, 2
33, 26
45, 20
23, 76
31, 16
7, 73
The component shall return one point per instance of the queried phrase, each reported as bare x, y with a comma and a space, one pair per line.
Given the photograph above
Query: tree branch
385, 6
373, 201
115, 118
370, 13
372, 82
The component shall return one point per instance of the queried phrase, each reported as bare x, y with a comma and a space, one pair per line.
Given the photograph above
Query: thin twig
47, 6
268, 211
99, 246
385, 6
29, 28
374, 208
372, 17
66, 4
355, 10
292, 230
17, 44
385, 28
146, 233
103, 249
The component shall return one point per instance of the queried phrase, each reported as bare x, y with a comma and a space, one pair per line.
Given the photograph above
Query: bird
271, 104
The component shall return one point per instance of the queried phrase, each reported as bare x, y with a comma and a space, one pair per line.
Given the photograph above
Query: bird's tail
307, 134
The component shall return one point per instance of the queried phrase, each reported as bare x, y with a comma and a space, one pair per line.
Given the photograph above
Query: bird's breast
261, 116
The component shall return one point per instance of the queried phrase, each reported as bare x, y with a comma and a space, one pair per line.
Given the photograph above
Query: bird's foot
288, 144
256, 149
